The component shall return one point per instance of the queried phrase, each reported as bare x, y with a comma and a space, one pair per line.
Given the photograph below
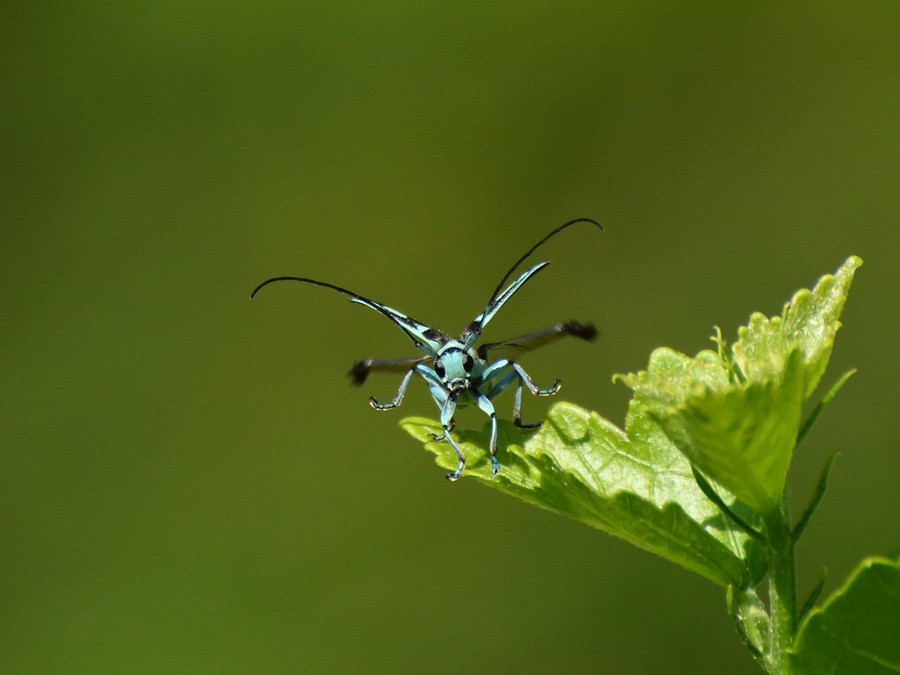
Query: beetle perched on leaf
456, 370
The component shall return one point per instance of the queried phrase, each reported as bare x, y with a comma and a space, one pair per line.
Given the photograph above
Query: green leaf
818, 493
820, 406
736, 413
750, 618
813, 596
858, 629
808, 324
633, 484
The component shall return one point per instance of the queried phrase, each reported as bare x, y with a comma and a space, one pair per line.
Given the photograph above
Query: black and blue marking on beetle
455, 369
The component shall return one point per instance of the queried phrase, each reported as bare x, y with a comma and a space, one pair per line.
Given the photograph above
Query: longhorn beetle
455, 370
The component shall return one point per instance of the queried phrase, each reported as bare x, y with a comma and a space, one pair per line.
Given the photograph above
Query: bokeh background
190, 484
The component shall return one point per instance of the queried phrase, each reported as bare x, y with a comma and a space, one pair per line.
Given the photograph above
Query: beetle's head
456, 367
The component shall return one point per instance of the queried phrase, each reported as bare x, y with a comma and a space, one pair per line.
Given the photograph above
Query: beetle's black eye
468, 363
439, 369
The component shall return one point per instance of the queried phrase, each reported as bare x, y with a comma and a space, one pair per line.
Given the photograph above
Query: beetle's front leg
442, 436
398, 399
485, 404
518, 375
501, 384
438, 393
517, 411
532, 387
447, 411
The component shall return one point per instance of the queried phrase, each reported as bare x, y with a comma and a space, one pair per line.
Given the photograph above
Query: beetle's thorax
457, 366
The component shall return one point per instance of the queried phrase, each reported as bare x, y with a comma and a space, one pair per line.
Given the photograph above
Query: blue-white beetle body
455, 370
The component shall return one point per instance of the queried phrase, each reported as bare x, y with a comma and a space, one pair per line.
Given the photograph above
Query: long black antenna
397, 318
308, 281
535, 248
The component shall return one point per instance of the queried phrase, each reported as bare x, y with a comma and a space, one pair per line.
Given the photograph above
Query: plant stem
782, 591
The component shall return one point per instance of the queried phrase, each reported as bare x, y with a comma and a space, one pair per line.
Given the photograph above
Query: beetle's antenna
407, 324
308, 281
471, 332
535, 248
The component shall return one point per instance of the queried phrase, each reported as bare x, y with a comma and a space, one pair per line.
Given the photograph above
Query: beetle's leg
438, 393
398, 399
500, 385
518, 375
453, 475
517, 411
497, 367
503, 383
440, 437
485, 404
446, 420
492, 371
532, 387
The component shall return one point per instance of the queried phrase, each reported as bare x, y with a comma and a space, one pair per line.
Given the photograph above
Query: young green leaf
750, 618
736, 413
858, 628
817, 495
820, 406
633, 484
813, 596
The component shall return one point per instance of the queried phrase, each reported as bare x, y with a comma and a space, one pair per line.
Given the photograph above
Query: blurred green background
189, 482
